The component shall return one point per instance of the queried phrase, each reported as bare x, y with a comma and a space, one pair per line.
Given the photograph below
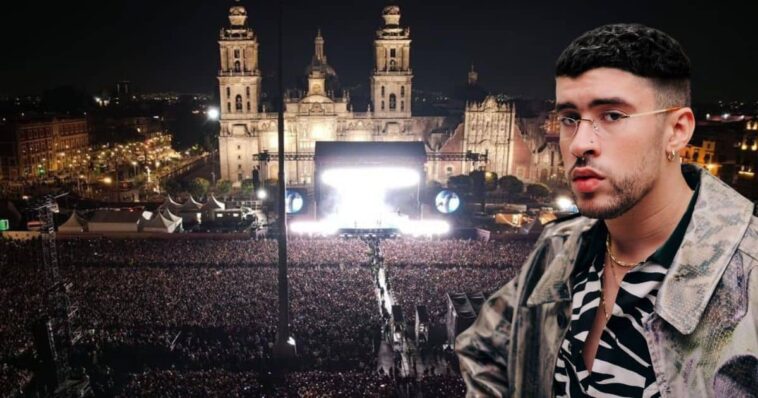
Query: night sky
170, 45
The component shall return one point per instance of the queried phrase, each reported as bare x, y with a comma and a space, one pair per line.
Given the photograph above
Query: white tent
211, 207
213, 204
169, 203
168, 214
191, 205
115, 221
75, 223
159, 224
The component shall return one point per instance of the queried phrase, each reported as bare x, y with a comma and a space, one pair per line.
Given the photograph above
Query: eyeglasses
608, 122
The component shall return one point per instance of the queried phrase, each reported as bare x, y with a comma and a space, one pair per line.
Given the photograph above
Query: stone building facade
320, 114
35, 148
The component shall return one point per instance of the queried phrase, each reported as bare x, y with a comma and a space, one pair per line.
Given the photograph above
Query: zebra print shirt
622, 366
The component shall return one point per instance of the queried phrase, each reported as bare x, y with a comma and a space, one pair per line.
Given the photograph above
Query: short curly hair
637, 49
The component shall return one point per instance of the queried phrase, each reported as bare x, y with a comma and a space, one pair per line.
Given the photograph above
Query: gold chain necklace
614, 259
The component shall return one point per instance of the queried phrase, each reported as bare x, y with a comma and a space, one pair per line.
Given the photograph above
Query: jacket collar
719, 220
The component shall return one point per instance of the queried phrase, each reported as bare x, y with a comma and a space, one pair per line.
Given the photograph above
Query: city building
727, 146
323, 114
34, 148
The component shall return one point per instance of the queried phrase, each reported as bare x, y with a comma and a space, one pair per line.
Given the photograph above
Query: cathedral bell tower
239, 84
239, 79
391, 80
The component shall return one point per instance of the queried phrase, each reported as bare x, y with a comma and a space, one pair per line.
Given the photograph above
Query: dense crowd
13, 380
423, 272
222, 383
201, 383
198, 317
209, 253
429, 286
320, 384
442, 386
455, 253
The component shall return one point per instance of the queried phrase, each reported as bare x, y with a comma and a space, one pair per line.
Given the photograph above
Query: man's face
609, 172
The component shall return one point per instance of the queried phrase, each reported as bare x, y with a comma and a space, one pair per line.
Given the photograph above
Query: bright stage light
372, 178
360, 195
261, 194
213, 113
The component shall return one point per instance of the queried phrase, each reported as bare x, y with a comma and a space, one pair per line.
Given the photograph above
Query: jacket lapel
719, 222
564, 245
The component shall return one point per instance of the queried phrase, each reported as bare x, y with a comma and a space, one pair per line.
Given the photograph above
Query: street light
79, 183
212, 113
134, 167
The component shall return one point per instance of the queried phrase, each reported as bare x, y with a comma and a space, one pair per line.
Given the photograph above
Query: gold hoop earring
670, 156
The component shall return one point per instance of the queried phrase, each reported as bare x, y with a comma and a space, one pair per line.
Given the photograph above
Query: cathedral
320, 114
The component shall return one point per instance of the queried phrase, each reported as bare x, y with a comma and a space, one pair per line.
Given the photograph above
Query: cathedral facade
320, 114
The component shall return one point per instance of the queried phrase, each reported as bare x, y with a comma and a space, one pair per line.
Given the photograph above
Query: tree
198, 187
538, 191
171, 186
223, 187
511, 185
247, 187
479, 187
461, 183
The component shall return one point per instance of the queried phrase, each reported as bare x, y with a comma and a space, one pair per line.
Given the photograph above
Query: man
649, 292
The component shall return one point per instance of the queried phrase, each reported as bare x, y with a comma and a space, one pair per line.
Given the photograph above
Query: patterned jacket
702, 337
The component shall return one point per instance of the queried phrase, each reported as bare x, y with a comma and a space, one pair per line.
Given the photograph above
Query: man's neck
636, 234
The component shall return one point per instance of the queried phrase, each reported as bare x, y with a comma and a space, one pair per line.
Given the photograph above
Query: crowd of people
198, 317
429, 286
200, 383
209, 253
455, 253
423, 272
223, 383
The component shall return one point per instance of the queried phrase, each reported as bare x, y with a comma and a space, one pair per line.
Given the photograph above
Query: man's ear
682, 124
